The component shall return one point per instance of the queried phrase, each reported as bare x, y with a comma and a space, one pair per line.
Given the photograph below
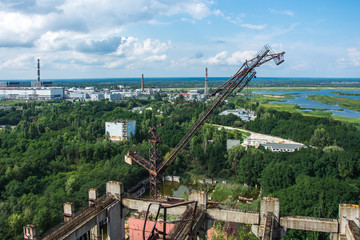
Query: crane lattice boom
239, 80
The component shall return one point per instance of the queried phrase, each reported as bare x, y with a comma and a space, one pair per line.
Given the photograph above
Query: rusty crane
155, 165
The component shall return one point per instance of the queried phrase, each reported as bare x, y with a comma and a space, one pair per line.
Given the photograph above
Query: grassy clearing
348, 103
314, 112
349, 120
345, 94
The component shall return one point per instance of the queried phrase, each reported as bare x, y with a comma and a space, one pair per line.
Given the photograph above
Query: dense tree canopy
55, 151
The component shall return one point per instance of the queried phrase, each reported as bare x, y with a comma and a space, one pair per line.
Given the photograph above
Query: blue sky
167, 38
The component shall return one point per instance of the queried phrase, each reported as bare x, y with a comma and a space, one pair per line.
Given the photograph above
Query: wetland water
299, 98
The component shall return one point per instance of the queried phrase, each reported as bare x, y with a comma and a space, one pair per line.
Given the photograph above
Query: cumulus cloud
236, 58
101, 46
352, 59
219, 58
239, 57
22, 23
22, 62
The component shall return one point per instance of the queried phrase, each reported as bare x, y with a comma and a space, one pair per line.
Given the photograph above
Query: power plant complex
39, 90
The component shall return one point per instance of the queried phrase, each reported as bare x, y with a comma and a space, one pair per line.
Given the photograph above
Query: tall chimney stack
142, 82
38, 72
206, 82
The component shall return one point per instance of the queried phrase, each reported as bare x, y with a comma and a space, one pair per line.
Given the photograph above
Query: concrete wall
142, 205
310, 224
116, 222
131, 128
115, 130
40, 93
233, 216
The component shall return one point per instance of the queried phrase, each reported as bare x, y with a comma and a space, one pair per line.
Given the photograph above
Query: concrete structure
171, 178
97, 96
109, 212
231, 142
69, 211
243, 114
113, 96
120, 130
30, 232
282, 147
4, 84
250, 142
25, 93
78, 95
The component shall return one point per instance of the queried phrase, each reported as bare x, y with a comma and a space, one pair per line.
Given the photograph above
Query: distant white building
137, 109
120, 130
113, 96
38, 93
244, 114
282, 147
253, 142
97, 96
78, 95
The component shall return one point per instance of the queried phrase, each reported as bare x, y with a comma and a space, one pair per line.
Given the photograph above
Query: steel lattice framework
241, 78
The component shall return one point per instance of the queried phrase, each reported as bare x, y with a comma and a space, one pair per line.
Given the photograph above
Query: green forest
52, 152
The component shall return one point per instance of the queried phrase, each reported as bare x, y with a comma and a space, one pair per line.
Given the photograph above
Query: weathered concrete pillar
116, 218
94, 232
93, 195
30, 232
115, 189
200, 196
269, 205
69, 211
347, 212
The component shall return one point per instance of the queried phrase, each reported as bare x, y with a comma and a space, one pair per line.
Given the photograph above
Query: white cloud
239, 57
54, 41
25, 61
155, 58
22, 25
282, 12
352, 59
219, 58
354, 56
252, 26
198, 10
236, 58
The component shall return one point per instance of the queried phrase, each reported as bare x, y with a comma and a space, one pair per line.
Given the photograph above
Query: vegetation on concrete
223, 231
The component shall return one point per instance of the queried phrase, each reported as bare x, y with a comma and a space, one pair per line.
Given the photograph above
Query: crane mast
240, 79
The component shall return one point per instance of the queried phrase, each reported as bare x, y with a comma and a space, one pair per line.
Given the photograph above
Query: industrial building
244, 114
43, 93
120, 130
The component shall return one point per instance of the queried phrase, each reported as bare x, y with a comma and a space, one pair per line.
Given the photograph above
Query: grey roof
230, 143
283, 145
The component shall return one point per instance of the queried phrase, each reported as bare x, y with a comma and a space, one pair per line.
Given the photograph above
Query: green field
352, 104
265, 101
345, 94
